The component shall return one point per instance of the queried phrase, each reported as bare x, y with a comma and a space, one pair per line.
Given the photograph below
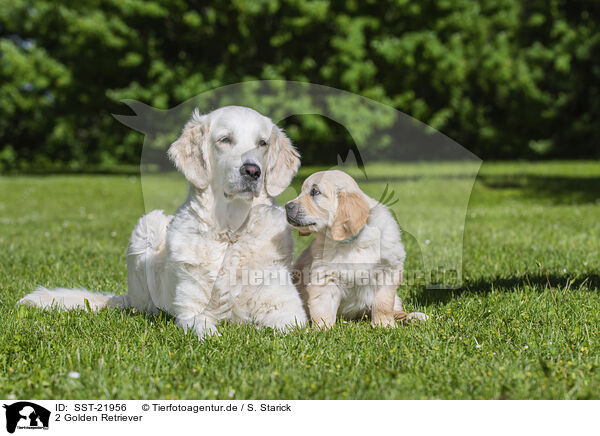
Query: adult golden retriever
226, 252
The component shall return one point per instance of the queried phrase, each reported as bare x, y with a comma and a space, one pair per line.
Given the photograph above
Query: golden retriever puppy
354, 265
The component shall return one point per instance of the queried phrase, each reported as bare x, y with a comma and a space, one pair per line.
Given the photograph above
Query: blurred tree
504, 78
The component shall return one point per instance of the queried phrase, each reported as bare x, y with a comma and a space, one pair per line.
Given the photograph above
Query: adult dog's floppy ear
190, 152
351, 215
283, 161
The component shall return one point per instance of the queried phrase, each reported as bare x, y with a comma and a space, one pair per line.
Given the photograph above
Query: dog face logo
26, 415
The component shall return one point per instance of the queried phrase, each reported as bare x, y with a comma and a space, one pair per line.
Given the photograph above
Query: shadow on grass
558, 189
508, 284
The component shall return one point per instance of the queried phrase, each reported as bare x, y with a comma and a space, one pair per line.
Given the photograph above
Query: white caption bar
297, 417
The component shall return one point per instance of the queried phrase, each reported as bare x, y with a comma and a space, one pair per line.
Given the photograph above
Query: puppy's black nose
291, 209
251, 170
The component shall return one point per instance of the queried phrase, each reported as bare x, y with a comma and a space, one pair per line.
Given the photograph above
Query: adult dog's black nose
251, 170
291, 209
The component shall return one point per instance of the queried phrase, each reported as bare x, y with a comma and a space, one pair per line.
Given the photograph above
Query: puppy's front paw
383, 322
417, 316
323, 323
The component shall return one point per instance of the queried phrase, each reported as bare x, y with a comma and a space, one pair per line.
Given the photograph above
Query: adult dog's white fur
355, 238
197, 264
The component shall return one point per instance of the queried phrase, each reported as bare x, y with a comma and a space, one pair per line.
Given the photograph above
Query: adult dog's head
236, 151
330, 201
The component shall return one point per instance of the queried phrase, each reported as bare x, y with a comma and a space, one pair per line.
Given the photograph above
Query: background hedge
504, 78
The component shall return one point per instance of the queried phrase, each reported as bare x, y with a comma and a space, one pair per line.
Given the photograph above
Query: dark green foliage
504, 78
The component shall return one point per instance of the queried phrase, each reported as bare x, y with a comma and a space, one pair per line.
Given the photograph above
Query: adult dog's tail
146, 257
61, 298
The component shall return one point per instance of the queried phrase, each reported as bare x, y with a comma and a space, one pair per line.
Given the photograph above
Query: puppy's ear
351, 215
283, 161
190, 152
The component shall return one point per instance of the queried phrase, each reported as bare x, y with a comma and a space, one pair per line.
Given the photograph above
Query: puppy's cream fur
192, 264
355, 234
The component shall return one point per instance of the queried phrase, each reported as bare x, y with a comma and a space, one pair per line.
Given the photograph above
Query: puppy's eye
224, 140
314, 192
262, 143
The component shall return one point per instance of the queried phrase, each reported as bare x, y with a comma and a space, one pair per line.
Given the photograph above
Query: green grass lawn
524, 325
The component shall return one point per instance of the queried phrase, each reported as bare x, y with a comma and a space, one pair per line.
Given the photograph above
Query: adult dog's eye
314, 192
262, 143
224, 140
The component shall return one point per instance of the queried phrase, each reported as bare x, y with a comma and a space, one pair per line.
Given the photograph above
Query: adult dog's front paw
284, 323
200, 325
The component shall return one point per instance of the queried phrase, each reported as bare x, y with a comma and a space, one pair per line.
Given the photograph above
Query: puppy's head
237, 151
329, 201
